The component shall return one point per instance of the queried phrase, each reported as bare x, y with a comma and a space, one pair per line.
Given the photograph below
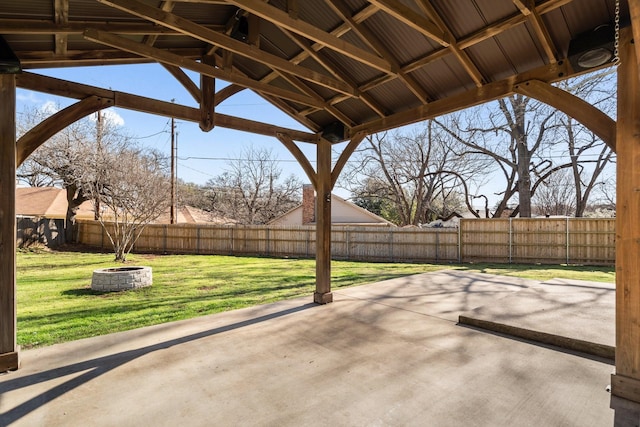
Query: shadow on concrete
101, 365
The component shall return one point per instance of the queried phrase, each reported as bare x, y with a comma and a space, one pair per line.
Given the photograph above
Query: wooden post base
626, 387
9, 361
324, 298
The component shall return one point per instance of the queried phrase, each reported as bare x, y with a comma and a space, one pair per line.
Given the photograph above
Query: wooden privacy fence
548, 241
37, 230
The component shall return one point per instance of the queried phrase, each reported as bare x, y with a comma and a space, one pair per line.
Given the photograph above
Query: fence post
198, 238
348, 239
510, 239
391, 244
165, 239
437, 244
266, 249
566, 227
460, 240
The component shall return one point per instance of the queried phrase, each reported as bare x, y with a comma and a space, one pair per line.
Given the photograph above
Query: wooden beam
528, 9
282, 19
200, 32
323, 294
287, 141
372, 40
76, 58
410, 18
207, 103
461, 55
590, 116
227, 92
8, 345
627, 225
30, 26
489, 92
69, 89
173, 59
44, 130
61, 13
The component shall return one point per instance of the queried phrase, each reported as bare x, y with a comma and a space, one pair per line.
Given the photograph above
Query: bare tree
251, 190
64, 158
555, 196
588, 155
517, 130
130, 187
417, 175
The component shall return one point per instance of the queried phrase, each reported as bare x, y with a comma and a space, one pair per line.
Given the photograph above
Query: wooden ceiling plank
192, 29
176, 60
282, 19
407, 16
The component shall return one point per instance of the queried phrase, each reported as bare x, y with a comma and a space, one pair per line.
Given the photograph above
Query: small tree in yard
130, 186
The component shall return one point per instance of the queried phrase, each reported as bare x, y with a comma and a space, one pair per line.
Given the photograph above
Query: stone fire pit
121, 278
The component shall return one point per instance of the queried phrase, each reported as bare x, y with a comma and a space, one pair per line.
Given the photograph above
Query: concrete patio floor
386, 354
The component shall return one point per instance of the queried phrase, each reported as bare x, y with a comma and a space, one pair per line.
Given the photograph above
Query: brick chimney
308, 204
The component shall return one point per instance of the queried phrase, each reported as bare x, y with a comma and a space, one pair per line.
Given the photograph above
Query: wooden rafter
410, 18
528, 9
200, 32
143, 104
61, 13
176, 60
489, 92
461, 55
372, 40
282, 19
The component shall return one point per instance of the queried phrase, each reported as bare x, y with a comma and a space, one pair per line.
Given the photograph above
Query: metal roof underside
364, 66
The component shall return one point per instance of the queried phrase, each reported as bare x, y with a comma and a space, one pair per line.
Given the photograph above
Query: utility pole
173, 213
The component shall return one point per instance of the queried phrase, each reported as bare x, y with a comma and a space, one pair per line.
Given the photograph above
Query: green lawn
56, 303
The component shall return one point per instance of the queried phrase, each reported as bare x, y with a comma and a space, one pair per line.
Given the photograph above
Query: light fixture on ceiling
240, 29
334, 132
593, 48
9, 62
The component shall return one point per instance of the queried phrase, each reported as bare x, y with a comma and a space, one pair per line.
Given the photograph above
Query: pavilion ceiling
364, 66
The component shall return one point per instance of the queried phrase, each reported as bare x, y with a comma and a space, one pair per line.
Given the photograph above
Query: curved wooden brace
591, 117
227, 92
39, 134
300, 157
344, 156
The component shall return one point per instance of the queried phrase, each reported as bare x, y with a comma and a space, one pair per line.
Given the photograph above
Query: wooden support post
323, 293
8, 346
207, 99
625, 383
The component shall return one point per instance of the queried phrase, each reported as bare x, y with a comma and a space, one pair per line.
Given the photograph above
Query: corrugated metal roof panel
406, 44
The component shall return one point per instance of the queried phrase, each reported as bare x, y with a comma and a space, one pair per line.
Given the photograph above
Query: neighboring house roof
51, 202
193, 215
342, 213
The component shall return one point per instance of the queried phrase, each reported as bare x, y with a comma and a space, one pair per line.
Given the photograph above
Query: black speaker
592, 48
334, 132
9, 62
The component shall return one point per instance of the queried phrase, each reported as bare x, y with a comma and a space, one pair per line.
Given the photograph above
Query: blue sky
154, 81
